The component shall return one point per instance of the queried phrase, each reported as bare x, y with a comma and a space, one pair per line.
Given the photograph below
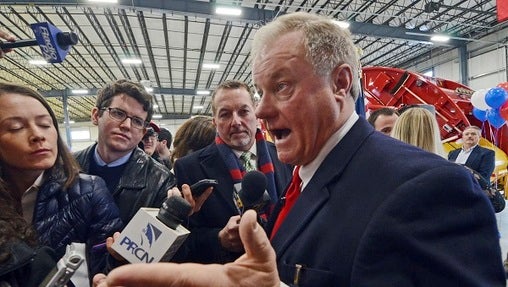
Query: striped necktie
247, 163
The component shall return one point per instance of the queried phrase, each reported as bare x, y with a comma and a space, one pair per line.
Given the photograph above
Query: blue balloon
496, 97
479, 114
494, 118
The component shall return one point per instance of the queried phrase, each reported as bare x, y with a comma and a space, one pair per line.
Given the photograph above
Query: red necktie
291, 196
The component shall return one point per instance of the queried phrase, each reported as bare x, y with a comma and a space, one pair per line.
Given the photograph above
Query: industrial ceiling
174, 38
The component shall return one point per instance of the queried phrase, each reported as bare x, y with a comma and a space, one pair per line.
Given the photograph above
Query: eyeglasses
120, 116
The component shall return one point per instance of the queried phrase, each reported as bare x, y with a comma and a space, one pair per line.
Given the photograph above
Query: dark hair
231, 85
195, 133
132, 89
65, 162
165, 134
382, 111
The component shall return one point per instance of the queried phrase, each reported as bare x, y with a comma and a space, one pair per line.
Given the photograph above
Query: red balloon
504, 86
503, 110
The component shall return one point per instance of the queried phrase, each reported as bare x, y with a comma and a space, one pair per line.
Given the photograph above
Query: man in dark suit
214, 230
370, 210
472, 155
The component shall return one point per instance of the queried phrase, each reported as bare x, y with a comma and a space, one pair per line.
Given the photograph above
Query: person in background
10, 38
163, 149
472, 155
194, 134
383, 119
40, 179
122, 114
358, 211
418, 127
239, 147
149, 142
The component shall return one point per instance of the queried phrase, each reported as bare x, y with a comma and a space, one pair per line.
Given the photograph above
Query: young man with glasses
122, 114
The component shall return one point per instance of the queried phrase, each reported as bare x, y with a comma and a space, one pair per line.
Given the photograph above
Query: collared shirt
114, 163
29, 197
464, 155
253, 158
307, 171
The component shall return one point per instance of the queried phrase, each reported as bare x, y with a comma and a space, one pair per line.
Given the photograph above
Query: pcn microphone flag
502, 10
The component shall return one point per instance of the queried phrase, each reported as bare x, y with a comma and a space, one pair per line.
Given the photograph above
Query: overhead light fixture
440, 38
38, 62
211, 66
149, 89
131, 61
155, 106
342, 24
79, 92
203, 92
103, 1
157, 116
230, 11
198, 107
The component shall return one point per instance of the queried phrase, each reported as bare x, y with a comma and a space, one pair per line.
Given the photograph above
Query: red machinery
395, 87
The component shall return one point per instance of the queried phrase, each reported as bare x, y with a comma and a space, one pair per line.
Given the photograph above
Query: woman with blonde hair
418, 127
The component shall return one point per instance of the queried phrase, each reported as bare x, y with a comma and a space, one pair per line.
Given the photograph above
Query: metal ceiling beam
256, 15
156, 90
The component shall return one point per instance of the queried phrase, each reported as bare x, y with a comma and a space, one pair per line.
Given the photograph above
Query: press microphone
54, 44
253, 194
153, 233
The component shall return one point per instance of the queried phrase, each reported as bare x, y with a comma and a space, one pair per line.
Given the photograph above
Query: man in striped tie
239, 147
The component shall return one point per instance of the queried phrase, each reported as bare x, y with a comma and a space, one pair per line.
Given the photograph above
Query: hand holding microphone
195, 200
6, 36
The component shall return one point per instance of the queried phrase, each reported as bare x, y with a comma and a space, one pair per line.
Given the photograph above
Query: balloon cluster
491, 105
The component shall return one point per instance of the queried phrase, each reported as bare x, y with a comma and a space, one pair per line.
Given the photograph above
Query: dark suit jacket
203, 244
481, 159
379, 212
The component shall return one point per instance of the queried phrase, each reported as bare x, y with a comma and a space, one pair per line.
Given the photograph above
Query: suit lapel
472, 160
316, 193
214, 167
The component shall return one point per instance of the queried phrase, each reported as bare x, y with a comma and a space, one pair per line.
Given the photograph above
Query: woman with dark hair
41, 179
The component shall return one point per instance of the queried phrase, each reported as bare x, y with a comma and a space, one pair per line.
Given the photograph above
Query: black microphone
174, 211
154, 234
253, 194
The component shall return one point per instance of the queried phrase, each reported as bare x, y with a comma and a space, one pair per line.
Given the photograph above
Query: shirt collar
37, 183
114, 163
252, 150
468, 149
307, 171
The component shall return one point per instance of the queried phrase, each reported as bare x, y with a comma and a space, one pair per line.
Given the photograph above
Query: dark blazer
379, 212
481, 159
203, 243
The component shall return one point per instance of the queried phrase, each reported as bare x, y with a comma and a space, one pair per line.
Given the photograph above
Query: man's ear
95, 116
342, 80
